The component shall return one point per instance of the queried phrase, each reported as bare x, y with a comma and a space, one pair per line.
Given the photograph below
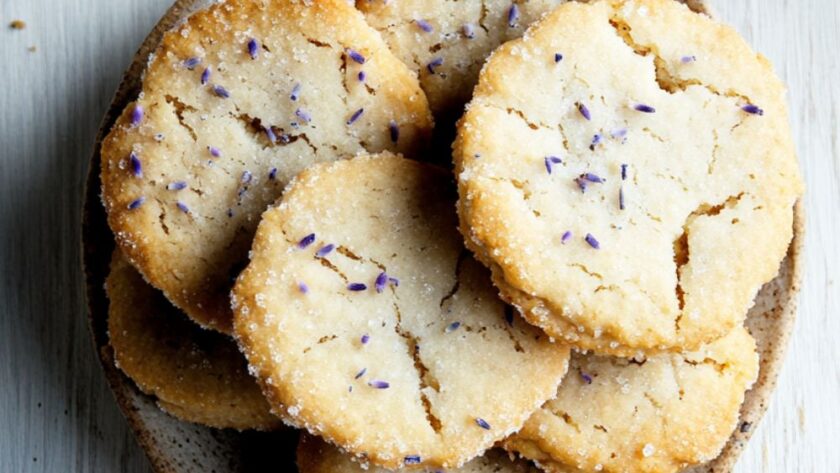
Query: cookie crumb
17, 25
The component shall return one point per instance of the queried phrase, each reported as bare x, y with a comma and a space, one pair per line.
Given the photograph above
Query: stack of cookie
293, 251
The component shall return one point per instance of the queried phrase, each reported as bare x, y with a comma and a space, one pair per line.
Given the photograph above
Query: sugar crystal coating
239, 93
675, 216
391, 369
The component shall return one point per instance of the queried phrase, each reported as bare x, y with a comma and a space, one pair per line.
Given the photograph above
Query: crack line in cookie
681, 245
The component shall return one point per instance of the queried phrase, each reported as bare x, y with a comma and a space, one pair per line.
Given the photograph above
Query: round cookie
368, 323
657, 415
447, 41
234, 103
639, 191
196, 375
316, 456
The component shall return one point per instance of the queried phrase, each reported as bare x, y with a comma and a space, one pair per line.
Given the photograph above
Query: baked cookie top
235, 102
627, 171
316, 456
368, 323
657, 415
447, 41
196, 375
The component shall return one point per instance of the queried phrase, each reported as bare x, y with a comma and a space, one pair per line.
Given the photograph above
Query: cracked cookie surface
234, 103
368, 323
316, 456
639, 190
661, 414
447, 41
196, 375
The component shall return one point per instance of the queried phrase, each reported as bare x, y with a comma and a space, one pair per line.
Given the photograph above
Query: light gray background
56, 412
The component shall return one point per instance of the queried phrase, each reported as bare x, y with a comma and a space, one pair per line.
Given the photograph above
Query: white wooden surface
56, 413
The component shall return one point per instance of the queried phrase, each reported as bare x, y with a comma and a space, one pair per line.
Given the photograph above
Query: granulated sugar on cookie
627, 171
196, 375
447, 41
368, 323
234, 103
659, 415
316, 456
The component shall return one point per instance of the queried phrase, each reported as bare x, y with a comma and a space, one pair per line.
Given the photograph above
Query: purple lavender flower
355, 55
592, 241
550, 161
253, 48
358, 113
303, 115
752, 109
137, 115
381, 281
436, 62
324, 250
424, 25
269, 133
640, 107
306, 241
619, 133
377, 384
136, 165
190, 63
468, 30
592, 178
513, 15
567, 235
394, 131
584, 111
221, 91
136, 203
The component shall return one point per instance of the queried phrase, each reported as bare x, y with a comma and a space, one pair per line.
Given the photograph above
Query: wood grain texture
55, 408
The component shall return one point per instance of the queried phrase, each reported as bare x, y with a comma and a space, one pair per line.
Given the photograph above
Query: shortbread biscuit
368, 323
235, 102
316, 456
447, 41
657, 415
626, 169
196, 375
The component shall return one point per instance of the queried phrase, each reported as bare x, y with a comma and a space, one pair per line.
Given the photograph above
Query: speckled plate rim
97, 242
